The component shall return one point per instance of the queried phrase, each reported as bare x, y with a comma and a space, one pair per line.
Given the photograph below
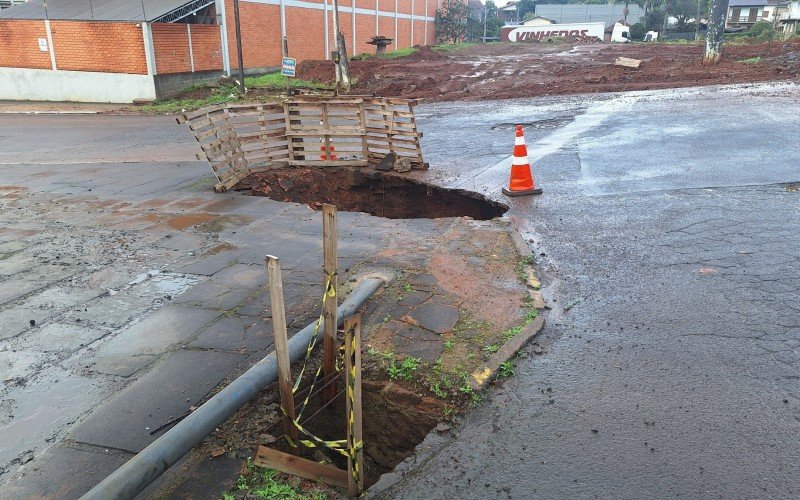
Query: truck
581, 31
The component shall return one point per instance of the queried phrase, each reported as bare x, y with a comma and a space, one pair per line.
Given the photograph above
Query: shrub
638, 31
762, 31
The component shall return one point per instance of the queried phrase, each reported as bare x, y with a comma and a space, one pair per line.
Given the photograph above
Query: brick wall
206, 47
99, 46
78, 46
171, 47
19, 44
305, 28
261, 40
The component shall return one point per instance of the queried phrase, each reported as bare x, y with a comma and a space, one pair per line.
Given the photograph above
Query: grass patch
226, 93
394, 54
751, 60
219, 95
405, 370
391, 54
520, 267
452, 47
267, 483
277, 81
506, 369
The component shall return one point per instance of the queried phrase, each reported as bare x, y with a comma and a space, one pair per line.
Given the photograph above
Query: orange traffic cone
521, 182
324, 155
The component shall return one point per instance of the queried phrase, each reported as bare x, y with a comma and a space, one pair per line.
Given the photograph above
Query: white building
745, 13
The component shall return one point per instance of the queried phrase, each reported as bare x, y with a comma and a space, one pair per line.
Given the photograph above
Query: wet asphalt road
669, 239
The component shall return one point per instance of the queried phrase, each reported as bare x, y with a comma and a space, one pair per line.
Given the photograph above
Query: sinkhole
360, 189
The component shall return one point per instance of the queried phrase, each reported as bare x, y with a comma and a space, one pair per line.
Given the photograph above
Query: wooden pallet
241, 139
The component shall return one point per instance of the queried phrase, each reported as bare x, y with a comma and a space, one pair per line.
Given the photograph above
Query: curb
487, 372
32, 112
481, 377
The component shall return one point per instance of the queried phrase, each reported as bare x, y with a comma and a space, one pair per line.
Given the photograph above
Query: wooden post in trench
330, 343
352, 366
281, 346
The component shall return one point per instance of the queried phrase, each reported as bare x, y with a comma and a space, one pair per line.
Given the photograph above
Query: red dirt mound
506, 70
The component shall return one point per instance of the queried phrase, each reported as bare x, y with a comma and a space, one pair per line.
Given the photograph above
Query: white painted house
745, 13
791, 18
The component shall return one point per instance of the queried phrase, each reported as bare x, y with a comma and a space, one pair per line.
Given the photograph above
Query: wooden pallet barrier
241, 139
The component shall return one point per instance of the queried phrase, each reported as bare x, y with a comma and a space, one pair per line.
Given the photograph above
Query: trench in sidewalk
397, 415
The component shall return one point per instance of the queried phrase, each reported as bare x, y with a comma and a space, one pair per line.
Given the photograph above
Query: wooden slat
317, 133
328, 163
301, 467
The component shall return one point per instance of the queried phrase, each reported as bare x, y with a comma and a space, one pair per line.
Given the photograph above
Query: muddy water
34, 415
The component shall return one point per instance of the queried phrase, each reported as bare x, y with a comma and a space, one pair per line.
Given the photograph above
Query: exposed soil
506, 70
371, 191
448, 322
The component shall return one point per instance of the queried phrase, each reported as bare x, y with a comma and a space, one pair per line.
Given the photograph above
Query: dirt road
499, 71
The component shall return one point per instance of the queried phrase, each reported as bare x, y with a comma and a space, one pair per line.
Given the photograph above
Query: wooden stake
352, 356
290, 464
330, 345
281, 345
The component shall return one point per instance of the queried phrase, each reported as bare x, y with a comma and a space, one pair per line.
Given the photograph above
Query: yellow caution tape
348, 447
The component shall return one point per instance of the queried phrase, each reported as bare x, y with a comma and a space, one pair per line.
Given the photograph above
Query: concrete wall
25, 84
169, 84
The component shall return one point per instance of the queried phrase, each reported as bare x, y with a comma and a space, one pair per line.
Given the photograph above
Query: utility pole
342, 66
239, 45
716, 30
697, 23
484, 23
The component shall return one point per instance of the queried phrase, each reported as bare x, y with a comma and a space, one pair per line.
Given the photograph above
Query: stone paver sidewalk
129, 291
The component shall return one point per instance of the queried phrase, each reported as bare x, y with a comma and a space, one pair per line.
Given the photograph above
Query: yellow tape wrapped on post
329, 291
352, 452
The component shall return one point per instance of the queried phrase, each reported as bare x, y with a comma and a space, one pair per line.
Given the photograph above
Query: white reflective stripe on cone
518, 160
519, 141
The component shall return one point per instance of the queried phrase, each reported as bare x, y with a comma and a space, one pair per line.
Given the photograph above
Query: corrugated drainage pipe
138, 472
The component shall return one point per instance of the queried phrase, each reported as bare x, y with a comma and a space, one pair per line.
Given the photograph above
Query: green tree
683, 10
451, 22
525, 6
653, 19
491, 9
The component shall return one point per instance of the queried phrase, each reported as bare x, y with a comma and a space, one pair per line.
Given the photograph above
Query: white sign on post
43, 44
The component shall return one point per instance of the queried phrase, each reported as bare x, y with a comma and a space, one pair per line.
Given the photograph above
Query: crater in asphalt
357, 189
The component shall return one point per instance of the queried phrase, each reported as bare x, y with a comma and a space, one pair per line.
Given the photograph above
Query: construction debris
402, 165
627, 62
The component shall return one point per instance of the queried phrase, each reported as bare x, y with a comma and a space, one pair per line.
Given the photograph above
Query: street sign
288, 66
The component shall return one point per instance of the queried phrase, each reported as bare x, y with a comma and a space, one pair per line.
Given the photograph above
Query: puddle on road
165, 283
39, 412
